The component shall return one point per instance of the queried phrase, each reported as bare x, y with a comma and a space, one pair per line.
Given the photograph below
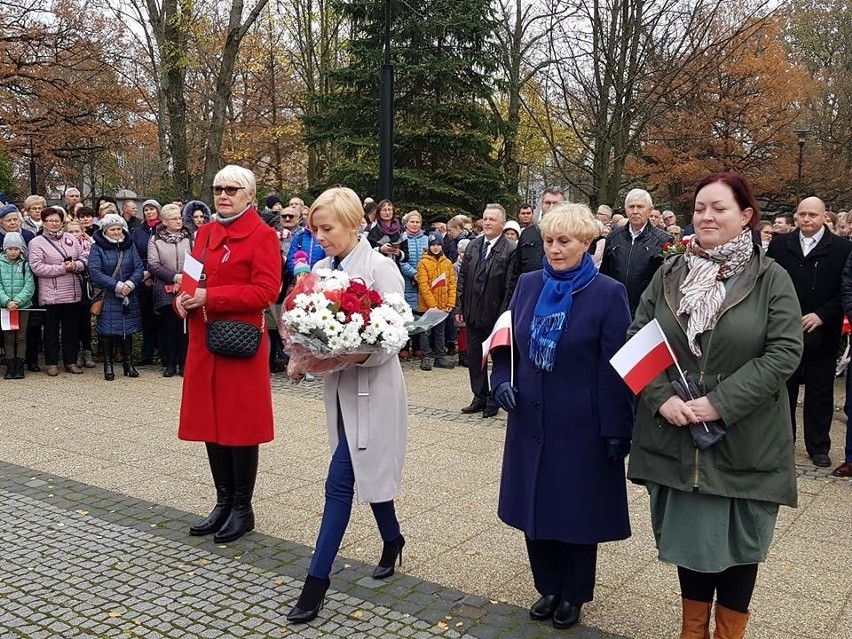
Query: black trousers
816, 372
67, 318
149, 324
34, 341
563, 569
478, 375
172, 339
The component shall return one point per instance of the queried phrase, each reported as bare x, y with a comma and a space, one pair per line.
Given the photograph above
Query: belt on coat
363, 430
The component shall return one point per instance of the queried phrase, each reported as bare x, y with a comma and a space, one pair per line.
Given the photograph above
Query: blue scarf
553, 309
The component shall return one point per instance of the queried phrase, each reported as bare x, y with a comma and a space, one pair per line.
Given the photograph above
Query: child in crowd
462, 348
17, 285
436, 286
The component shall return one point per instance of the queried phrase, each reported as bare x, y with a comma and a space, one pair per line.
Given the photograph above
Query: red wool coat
225, 400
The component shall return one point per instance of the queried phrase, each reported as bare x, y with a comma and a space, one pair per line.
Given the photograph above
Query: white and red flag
439, 282
643, 357
500, 336
192, 270
9, 320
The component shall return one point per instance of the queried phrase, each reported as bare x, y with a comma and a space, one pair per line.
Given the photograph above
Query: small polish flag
643, 357
192, 270
500, 336
9, 320
439, 281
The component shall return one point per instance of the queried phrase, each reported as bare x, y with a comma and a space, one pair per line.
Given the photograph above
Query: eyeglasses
287, 217
170, 219
229, 190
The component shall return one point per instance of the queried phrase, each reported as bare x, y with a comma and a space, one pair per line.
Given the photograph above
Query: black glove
617, 448
506, 395
705, 434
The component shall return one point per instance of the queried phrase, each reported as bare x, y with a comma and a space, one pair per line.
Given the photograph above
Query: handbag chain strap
262, 318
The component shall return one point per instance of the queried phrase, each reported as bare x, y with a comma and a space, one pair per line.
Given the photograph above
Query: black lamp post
386, 115
801, 138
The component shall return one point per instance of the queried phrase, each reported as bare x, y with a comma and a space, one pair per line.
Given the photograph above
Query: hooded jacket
431, 267
190, 208
17, 282
746, 360
116, 318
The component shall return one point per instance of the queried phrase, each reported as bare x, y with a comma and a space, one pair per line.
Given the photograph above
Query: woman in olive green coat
733, 320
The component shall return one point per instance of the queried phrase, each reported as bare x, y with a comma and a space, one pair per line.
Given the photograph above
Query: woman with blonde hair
227, 396
562, 482
368, 451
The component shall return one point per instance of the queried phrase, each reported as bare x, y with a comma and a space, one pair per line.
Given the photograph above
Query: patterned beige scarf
704, 289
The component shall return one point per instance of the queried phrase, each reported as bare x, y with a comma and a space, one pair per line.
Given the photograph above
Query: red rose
375, 298
357, 287
334, 296
366, 305
350, 303
667, 246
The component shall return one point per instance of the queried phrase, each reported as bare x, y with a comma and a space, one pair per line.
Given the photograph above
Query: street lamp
386, 114
801, 137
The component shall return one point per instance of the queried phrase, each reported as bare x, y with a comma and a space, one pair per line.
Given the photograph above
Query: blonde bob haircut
574, 220
344, 203
239, 175
34, 200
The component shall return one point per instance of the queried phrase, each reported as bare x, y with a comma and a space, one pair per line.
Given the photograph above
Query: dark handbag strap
58, 249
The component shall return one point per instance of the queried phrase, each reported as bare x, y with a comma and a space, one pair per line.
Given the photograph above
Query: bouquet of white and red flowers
328, 315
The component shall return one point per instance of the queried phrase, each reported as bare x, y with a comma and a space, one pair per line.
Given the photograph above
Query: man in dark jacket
633, 253
814, 258
482, 297
140, 236
530, 249
845, 469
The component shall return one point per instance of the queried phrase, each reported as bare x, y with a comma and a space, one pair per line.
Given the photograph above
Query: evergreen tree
443, 57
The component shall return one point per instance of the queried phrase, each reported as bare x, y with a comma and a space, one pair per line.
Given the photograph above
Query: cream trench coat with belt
373, 397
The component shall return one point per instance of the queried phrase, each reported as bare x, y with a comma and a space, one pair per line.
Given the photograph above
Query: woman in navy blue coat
120, 317
570, 416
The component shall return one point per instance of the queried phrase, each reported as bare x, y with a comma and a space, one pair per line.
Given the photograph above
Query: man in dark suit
814, 257
482, 295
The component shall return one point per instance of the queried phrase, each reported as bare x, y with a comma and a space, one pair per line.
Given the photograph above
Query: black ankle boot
19, 368
129, 368
10, 370
241, 519
219, 458
390, 552
107, 347
310, 601
169, 371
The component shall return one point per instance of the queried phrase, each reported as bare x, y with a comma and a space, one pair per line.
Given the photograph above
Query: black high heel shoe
390, 552
310, 601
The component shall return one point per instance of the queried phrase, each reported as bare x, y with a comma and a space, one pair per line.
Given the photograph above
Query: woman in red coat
227, 402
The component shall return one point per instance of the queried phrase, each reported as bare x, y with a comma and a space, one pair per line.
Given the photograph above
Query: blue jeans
339, 490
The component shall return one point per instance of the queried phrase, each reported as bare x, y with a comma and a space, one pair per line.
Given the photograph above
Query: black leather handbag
232, 338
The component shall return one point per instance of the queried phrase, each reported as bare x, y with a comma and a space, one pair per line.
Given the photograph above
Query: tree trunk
224, 79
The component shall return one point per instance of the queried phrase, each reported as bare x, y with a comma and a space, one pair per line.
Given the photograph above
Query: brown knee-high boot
696, 619
730, 624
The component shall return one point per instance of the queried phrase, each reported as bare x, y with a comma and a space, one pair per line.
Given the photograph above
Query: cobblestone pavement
76, 444
80, 561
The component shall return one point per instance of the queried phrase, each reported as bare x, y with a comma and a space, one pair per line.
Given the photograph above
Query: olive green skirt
709, 533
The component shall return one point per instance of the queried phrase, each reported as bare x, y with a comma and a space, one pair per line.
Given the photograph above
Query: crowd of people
751, 308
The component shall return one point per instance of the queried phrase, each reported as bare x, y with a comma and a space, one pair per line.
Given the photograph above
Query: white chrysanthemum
332, 280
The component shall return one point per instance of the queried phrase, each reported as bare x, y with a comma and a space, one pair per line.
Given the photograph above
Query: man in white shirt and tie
814, 258
481, 296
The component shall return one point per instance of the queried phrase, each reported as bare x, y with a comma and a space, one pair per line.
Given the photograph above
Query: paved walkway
96, 494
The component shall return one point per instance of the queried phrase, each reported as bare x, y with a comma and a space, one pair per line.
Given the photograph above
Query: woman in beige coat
366, 408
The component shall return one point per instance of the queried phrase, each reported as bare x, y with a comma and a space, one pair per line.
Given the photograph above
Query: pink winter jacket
47, 260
